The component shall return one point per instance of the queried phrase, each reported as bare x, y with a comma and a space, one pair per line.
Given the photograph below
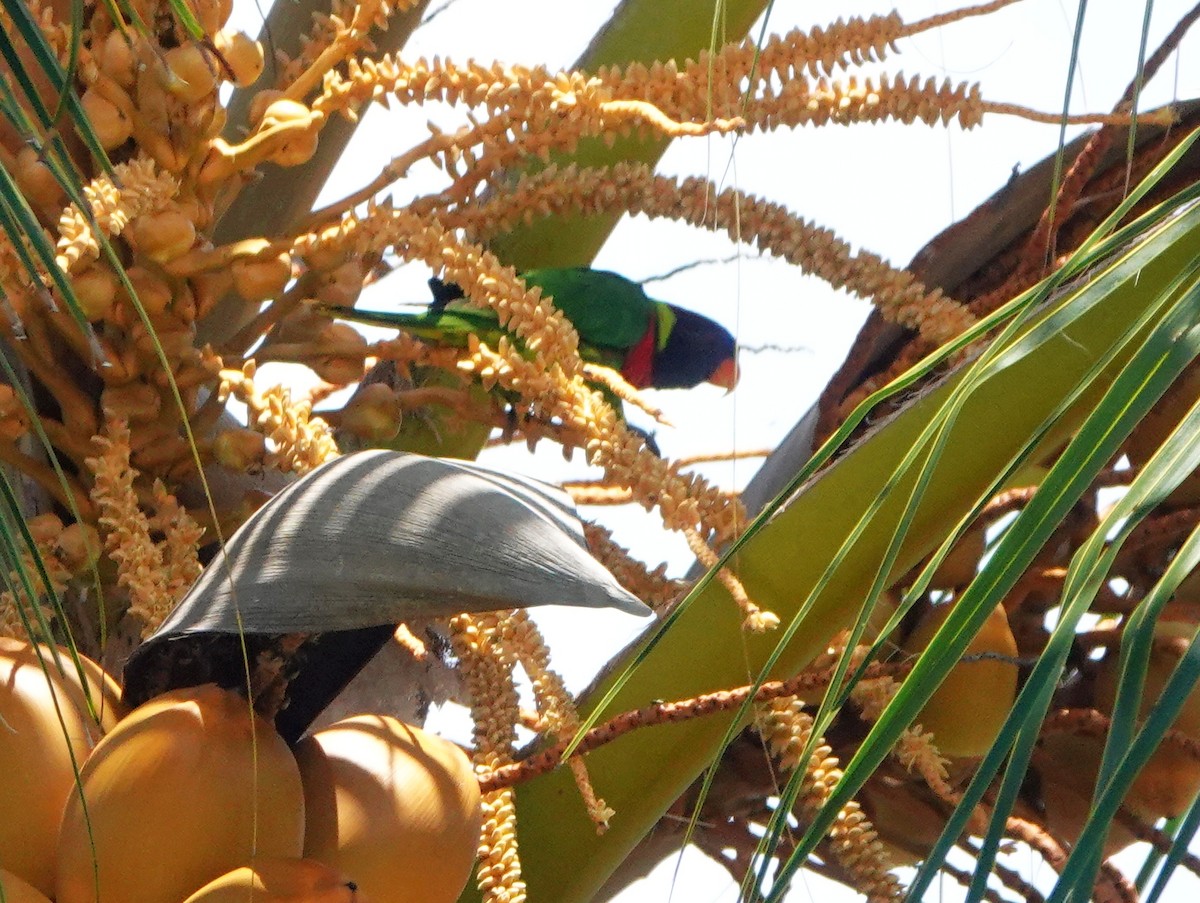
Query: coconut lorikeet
653, 344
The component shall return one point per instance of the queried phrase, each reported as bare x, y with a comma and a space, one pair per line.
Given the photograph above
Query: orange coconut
907, 824
187, 787
273, 880
962, 561
17, 891
1170, 779
37, 742
967, 711
102, 696
392, 805
1067, 766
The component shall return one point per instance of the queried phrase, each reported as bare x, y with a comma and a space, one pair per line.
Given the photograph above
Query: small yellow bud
79, 548
175, 337
260, 279
300, 144
117, 59
211, 14
341, 285
347, 349
208, 289
297, 150
240, 449
283, 111
373, 413
135, 402
95, 289
44, 527
242, 54
325, 258
153, 293
163, 236
112, 127
195, 75
259, 104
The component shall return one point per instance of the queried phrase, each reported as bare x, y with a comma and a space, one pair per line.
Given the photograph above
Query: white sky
888, 189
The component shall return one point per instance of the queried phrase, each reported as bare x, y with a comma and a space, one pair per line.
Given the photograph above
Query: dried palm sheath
316, 581
974, 254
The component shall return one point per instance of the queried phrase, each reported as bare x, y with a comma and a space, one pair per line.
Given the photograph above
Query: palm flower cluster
136, 308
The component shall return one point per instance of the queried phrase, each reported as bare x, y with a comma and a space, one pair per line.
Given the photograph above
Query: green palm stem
635, 33
641, 774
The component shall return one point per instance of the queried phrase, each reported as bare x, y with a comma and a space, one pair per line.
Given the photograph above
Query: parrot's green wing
611, 314
608, 310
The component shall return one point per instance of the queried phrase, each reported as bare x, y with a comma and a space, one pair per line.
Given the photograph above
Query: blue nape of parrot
653, 344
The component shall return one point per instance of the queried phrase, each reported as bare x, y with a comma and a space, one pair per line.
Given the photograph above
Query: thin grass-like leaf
1138, 78
638, 786
978, 600
1127, 751
53, 151
20, 220
1180, 842
1088, 452
186, 18
785, 557
72, 57
123, 13
1056, 179
825, 716
43, 55
1095, 251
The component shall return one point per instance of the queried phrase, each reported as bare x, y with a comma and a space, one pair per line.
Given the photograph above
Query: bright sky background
887, 189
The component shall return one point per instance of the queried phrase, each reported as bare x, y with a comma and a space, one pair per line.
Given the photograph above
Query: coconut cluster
193, 796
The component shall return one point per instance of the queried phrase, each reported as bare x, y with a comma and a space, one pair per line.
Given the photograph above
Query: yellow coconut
172, 803
37, 741
17, 891
102, 696
1170, 780
392, 805
967, 711
273, 880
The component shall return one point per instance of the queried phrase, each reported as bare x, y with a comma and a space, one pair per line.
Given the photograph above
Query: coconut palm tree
958, 630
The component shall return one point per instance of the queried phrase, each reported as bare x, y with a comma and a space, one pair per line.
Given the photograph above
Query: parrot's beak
726, 375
